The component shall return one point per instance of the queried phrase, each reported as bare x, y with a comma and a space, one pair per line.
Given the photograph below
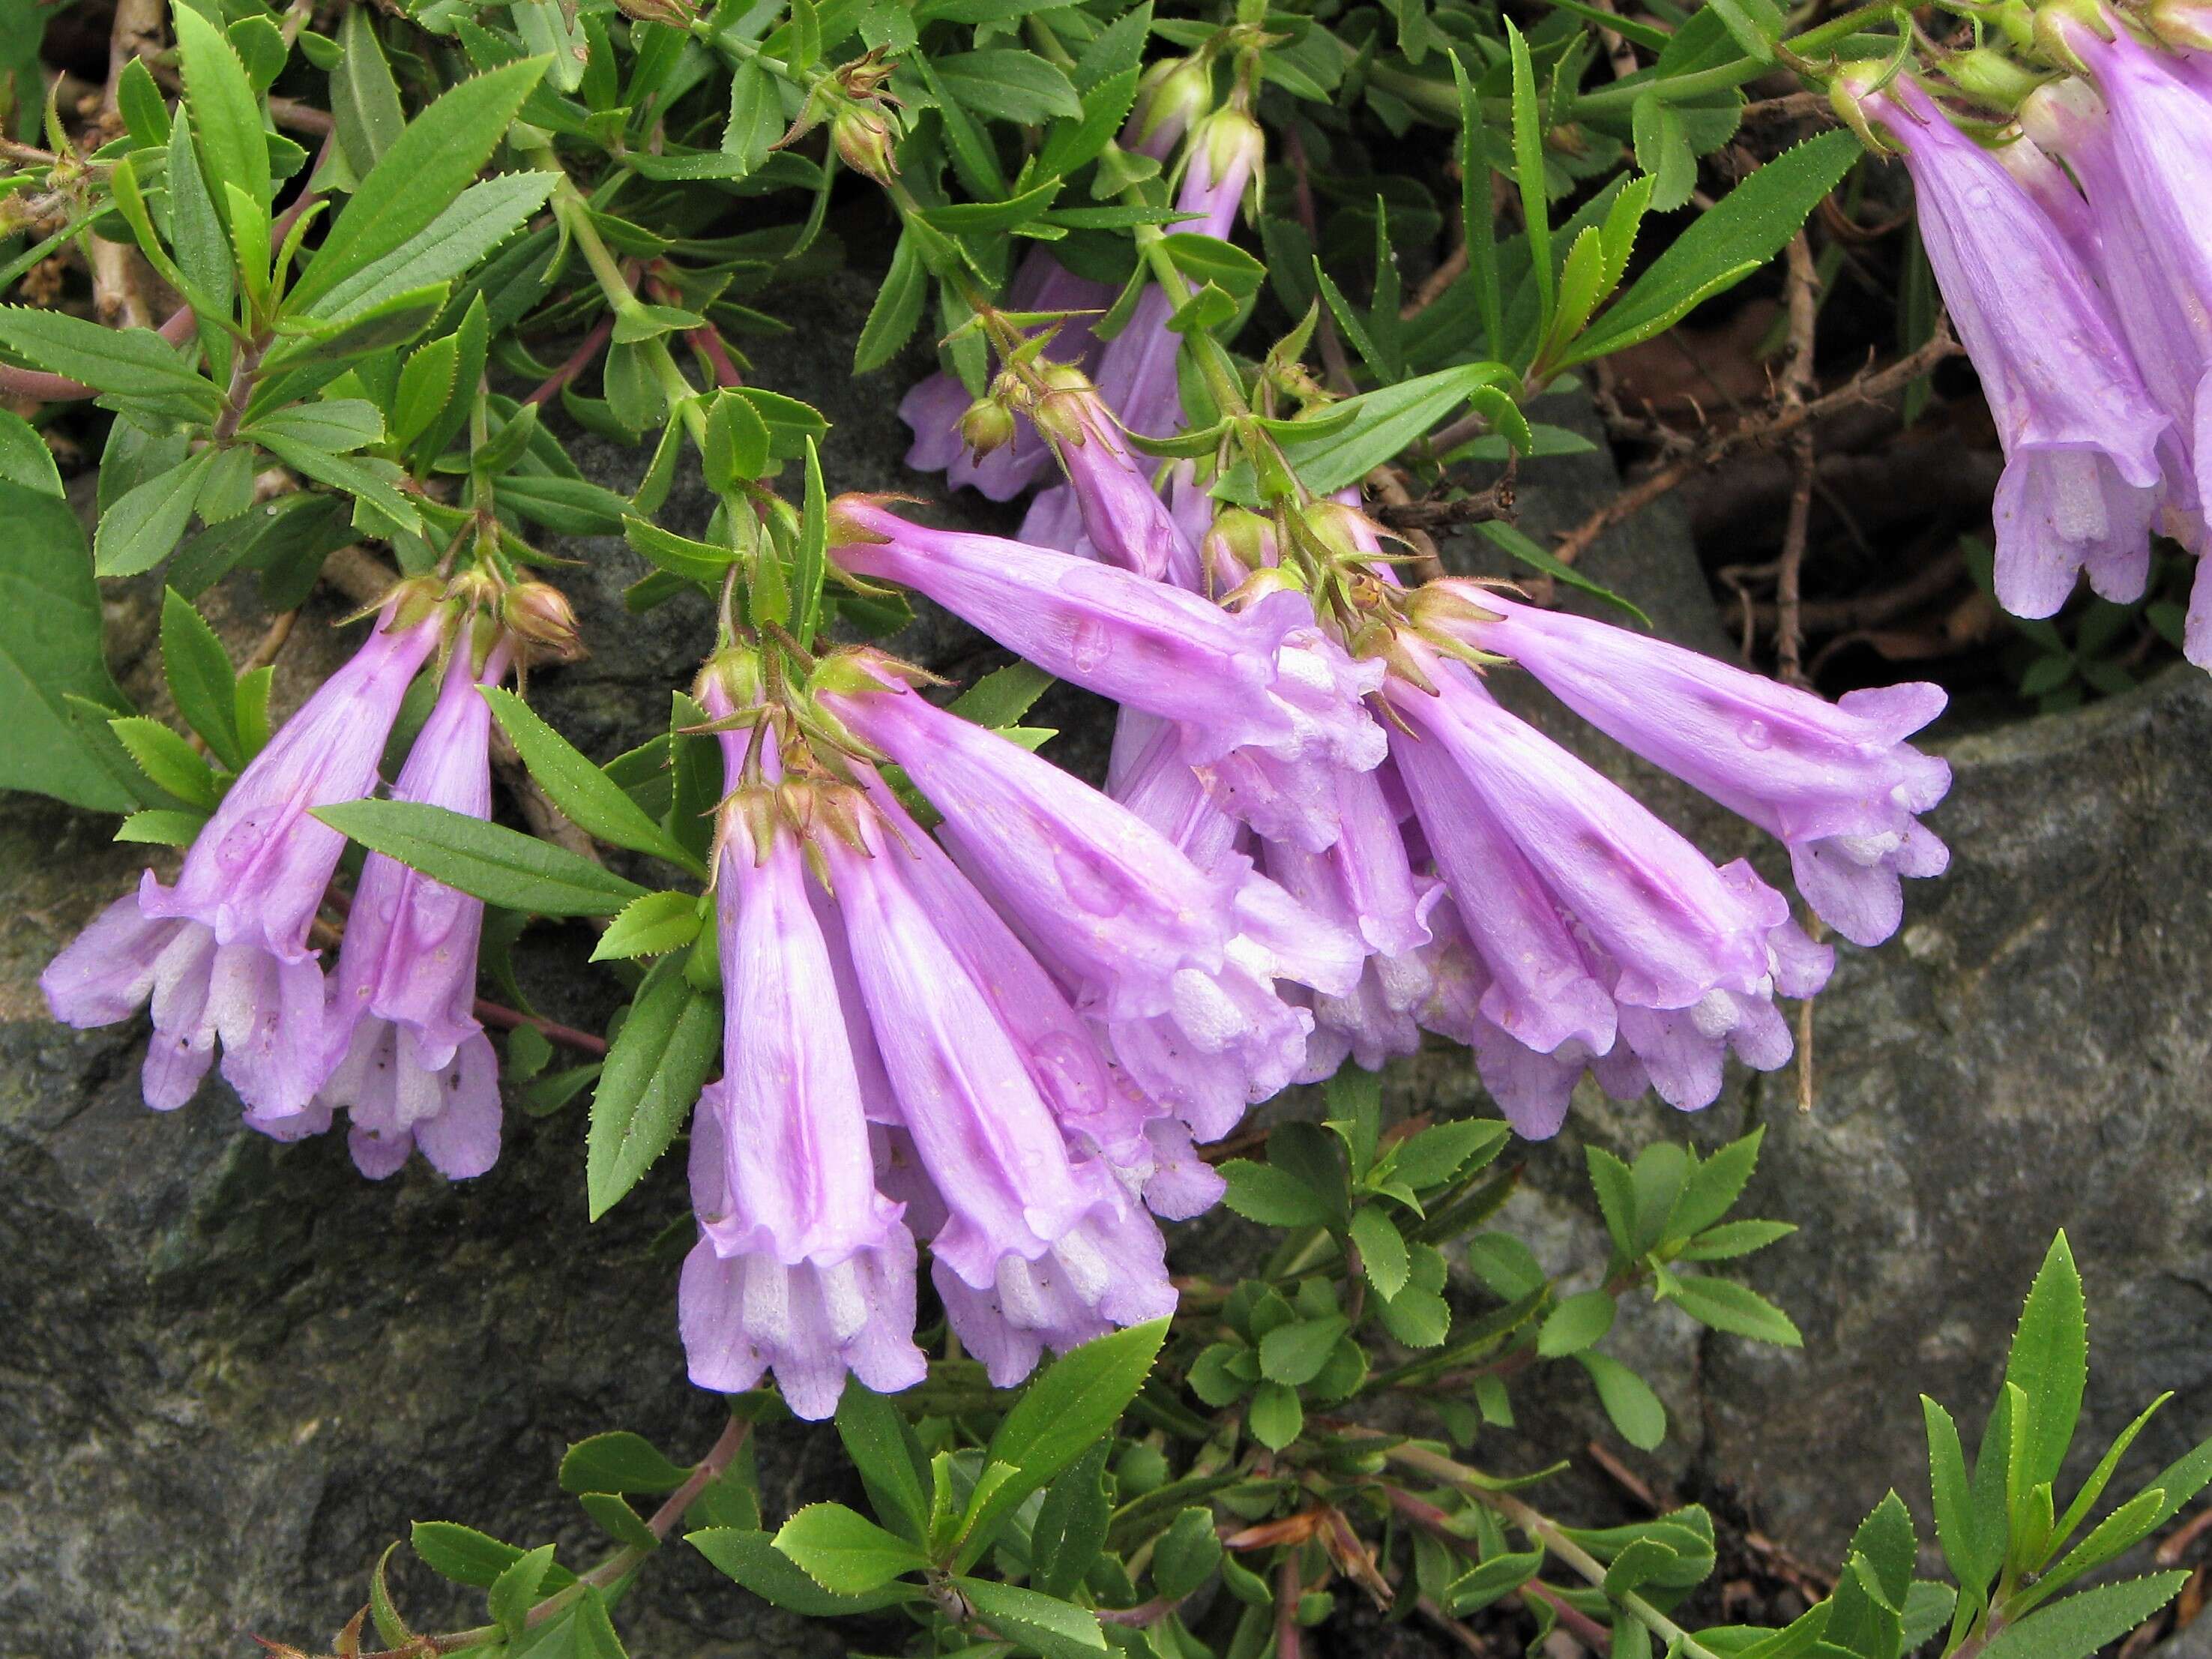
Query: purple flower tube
223, 955
802, 1268
1837, 783
2080, 430
408, 1060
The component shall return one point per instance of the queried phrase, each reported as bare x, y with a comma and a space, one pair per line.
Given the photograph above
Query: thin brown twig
505, 1018
1862, 387
1390, 484
1799, 383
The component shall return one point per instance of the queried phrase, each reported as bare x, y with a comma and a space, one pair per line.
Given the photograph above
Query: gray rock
239, 1370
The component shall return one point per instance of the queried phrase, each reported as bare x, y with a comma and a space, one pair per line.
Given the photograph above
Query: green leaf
1040, 1624
1002, 696
2183, 1479
1529, 173
1727, 1306
26, 463
2121, 1530
51, 650
844, 1551
143, 528
428, 167
158, 827
889, 1459
1956, 1529
173, 764
469, 1557
750, 1558
1185, 1556
987, 218
897, 308
225, 110
1275, 1416
497, 865
1576, 1323
1070, 1525
1735, 1239
1381, 1251
756, 115
1628, 1400
614, 1517
651, 926
619, 1462
1384, 423
132, 361
1272, 1196
2049, 1363
586, 796
426, 384
1492, 1580
654, 1071
1294, 1353
367, 480
383, 326
594, 1632
201, 682
1714, 1186
337, 424
1418, 1317
1517, 541
364, 101
515, 1591
1746, 228
1438, 1153
2077, 1626
483, 217
1009, 85
679, 555
1078, 1398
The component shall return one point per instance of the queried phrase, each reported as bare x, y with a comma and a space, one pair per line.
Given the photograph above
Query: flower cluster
2079, 291
1500, 891
225, 957
1042, 1003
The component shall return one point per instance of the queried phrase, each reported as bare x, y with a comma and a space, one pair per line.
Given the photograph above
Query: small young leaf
1275, 1417
844, 1551
1576, 1323
1628, 1400
1727, 1306
619, 1461
1381, 1251
650, 926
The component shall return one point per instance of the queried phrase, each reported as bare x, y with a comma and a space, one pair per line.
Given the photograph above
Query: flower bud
1175, 94
864, 139
2058, 22
1990, 77
1240, 542
985, 427
539, 613
1235, 146
1854, 81
731, 678
2184, 24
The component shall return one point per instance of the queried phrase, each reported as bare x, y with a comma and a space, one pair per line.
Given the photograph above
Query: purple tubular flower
1038, 1249
408, 1060
802, 1268
1172, 958
1366, 883
2144, 154
1837, 783
1124, 520
223, 955
1098, 1107
1263, 679
1592, 920
2081, 432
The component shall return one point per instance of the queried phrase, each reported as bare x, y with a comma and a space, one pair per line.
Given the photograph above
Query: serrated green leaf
2078, 1625
1381, 1251
1727, 1306
200, 678
224, 106
1040, 1624
888, 1458
753, 1560
650, 926
497, 865
1271, 1196
434, 159
144, 527
844, 1551
2050, 1362
585, 795
654, 1071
